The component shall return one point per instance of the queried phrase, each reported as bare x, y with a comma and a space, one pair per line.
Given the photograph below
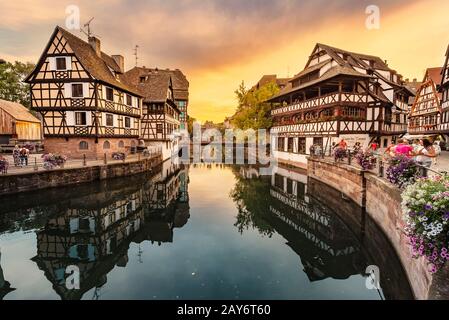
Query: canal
197, 232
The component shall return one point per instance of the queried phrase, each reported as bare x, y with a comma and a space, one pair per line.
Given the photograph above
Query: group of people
20, 155
423, 151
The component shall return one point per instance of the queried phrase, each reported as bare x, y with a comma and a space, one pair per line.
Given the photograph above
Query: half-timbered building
86, 105
425, 115
443, 127
160, 124
339, 94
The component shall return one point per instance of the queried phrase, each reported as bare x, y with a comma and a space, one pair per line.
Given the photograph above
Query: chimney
120, 62
95, 44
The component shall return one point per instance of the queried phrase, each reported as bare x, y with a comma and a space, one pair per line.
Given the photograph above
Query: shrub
426, 209
53, 160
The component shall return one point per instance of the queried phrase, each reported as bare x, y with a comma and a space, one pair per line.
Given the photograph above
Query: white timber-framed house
86, 105
338, 95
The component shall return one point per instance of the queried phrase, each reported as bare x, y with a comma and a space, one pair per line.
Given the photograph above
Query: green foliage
190, 122
12, 87
252, 111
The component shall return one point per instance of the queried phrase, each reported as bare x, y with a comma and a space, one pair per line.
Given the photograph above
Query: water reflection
331, 243
93, 231
292, 246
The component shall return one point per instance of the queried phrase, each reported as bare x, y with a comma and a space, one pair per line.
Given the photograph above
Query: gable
427, 100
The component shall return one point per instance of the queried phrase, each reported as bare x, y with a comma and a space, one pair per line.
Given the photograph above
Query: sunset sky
219, 43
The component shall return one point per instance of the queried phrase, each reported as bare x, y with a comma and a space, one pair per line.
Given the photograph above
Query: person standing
425, 154
16, 155
403, 148
24, 153
436, 146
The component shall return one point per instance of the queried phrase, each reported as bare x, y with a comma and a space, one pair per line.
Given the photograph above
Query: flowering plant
53, 160
402, 171
366, 159
118, 156
4, 164
426, 209
340, 154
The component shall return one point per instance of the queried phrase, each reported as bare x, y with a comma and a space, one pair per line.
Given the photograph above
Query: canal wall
61, 177
381, 201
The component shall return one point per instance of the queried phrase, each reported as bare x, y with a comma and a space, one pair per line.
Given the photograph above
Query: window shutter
52, 63
68, 63
115, 121
89, 118
70, 118
86, 93
67, 90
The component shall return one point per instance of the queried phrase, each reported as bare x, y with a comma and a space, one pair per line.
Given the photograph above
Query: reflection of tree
252, 200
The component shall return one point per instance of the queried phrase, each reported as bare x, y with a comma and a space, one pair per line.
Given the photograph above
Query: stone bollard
35, 164
349, 157
84, 160
105, 159
381, 169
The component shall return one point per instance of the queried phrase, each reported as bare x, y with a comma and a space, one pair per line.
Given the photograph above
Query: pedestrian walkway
36, 163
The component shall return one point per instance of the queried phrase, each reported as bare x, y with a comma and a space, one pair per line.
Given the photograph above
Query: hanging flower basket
340, 154
426, 209
366, 160
4, 164
52, 161
118, 156
402, 171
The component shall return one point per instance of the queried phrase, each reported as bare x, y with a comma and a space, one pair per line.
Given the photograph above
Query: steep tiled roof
153, 88
99, 67
17, 111
434, 74
179, 80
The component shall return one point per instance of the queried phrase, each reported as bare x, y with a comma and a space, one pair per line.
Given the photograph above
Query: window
109, 120
278, 181
290, 145
109, 94
129, 100
127, 122
106, 145
398, 118
281, 143
289, 186
80, 118
318, 141
159, 128
302, 145
61, 64
77, 90
121, 144
83, 145
300, 190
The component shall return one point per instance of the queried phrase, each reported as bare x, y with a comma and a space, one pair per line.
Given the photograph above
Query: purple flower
428, 207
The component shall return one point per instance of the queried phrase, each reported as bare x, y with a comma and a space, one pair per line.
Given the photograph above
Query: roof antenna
135, 53
87, 24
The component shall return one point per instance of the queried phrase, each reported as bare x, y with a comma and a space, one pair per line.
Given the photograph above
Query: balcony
335, 98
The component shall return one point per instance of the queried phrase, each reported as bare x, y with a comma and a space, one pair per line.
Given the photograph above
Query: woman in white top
425, 154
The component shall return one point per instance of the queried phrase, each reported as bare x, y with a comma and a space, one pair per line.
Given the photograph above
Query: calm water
194, 233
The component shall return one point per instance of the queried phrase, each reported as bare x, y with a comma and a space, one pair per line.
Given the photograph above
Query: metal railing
35, 163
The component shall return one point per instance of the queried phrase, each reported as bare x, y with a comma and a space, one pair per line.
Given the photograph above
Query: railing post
35, 164
84, 160
105, 159
381, 169
349, 157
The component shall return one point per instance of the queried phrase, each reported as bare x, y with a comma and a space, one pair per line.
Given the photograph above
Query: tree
12, 87
190, 122
252, 111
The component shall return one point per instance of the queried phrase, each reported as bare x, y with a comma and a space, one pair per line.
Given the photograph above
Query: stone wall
349, 180
10, 184
382, 203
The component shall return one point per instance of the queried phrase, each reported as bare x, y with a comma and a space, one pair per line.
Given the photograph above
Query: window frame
85, 118
78, 85
125, 120
110, 116
108, 89
60, 59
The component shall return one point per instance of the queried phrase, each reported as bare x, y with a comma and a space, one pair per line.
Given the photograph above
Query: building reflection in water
327, 241
94, 231
5, 286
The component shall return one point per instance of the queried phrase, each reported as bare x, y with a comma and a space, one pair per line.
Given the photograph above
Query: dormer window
143, 78
61, 63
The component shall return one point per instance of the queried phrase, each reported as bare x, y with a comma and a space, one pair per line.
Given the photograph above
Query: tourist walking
16, 155
24, 153
425, 154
